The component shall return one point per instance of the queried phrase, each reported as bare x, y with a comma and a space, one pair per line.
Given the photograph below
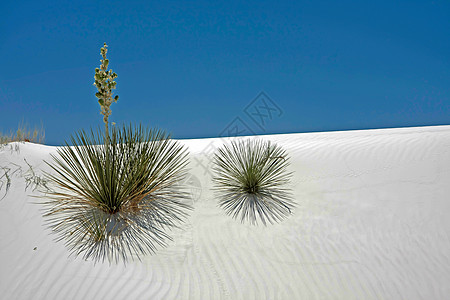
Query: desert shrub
250, 180
116, 200
114, 193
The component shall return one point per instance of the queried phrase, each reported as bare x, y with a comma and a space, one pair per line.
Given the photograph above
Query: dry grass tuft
24, 134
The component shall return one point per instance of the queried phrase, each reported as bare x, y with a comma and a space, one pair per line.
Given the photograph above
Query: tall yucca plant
115, 201
251, 178
116, 192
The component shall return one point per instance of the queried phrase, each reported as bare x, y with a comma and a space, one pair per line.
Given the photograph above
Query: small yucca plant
116, 200
251, 178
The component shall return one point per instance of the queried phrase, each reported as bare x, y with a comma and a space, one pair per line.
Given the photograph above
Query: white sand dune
371, 222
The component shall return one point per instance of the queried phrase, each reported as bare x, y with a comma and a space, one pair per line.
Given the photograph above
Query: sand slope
372, 222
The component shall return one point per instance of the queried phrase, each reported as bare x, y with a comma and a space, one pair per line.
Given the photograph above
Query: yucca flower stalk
251, 181
104, 80
114, 201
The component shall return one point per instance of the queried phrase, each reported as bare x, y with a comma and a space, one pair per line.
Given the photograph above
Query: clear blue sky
194, 67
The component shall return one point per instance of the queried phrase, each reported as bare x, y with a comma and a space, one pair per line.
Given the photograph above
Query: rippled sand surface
371, 222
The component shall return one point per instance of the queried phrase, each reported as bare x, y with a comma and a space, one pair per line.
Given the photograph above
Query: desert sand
371, 222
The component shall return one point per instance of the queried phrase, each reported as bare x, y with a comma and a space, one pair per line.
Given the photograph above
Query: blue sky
197, 68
